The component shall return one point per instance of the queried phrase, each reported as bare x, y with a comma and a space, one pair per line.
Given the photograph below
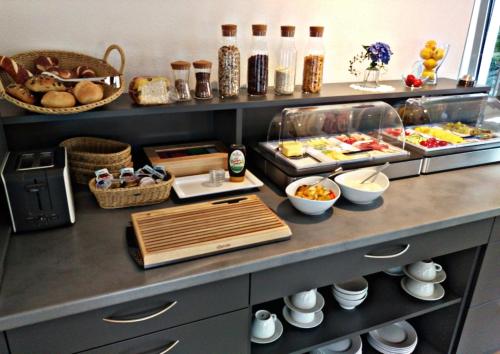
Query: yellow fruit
428, 74
438, 54
426, 53
431, 44
430, 64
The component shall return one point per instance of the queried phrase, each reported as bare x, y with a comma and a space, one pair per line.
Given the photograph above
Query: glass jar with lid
229, 63
313, 61
181, 79
284, 75
258, 62
202, 70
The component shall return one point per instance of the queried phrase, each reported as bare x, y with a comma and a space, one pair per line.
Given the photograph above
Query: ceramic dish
318, 318
320, 303
197, 185
395, 271
358, 196
356, 347
437, 295
440, 276
399, 337
277, 334
352, 287
307, 206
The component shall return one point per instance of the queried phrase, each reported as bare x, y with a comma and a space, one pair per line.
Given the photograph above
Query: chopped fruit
394, 131
430, 64
426, 53
440, 134
433, 143
372, 145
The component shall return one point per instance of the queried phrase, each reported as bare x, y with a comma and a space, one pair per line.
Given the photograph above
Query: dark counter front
66, 271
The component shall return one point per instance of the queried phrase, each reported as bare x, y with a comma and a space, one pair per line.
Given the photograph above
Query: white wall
156, 32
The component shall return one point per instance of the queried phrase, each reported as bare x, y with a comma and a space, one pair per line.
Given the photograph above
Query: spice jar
181, 77
229, 63
284, 75
313, 61
202, 69
258, 62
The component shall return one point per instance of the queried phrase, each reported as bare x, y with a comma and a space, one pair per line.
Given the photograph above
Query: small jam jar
202, 70
181, 77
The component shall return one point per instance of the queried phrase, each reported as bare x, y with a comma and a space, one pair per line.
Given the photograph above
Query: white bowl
349, 296
312, 207
354, 286
358, 196
349, 304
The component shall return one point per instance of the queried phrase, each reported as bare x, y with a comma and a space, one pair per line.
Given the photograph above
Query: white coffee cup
305, 299
264, 324
419, 288
302, 317
424, 270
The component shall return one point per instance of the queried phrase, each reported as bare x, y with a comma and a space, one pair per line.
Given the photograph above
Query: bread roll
55, 99
21, 93
43, 63
84, 71
87, 92
17, 72
43, 83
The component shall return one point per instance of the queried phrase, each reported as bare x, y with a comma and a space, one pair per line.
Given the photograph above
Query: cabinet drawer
481, 329
225, 334
89, 330
488, 283
495, 232
282, 281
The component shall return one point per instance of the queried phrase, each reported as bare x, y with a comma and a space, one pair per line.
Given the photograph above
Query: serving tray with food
60, 82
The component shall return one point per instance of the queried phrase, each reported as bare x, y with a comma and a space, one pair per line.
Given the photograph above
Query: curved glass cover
451, 122
336, 134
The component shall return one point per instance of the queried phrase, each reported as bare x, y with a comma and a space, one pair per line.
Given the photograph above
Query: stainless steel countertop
70, 270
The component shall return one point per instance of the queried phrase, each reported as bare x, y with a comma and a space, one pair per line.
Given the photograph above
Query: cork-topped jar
181, 77
313, 61
202, 70
229, 63
258, 62
284, 75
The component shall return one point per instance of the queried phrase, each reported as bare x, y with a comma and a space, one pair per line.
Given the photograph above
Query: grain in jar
258, 62
229, 63
284, 74
313, 61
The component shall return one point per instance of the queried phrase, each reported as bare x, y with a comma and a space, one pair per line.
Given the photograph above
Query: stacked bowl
350, 294
397, 338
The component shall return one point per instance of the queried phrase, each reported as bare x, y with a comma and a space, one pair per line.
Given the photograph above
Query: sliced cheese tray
190, 231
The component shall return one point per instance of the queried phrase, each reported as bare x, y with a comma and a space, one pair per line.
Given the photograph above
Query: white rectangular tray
197, 185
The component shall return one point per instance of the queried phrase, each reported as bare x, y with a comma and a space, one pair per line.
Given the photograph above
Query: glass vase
371, 78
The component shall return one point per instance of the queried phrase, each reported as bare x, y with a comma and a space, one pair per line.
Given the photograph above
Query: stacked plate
397, 338
350, 293
352, 345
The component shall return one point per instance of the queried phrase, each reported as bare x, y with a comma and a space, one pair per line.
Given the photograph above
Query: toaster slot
46, 159
26, 161
35, 161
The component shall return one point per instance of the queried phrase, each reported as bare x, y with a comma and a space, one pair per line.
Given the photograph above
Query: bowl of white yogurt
358, 193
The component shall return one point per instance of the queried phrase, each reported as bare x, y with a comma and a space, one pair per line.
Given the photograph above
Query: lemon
428, 74
431, 44
426, 53
438, 54
430, 64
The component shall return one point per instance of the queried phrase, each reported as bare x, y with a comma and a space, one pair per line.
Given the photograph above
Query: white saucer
318, 318
437, 295
398, 273
355, 348
440, 276
320, 303
399, 337
277, 334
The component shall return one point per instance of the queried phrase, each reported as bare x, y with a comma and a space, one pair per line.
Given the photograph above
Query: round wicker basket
69, 60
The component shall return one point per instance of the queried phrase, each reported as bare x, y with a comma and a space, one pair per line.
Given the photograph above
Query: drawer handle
170, 347
390, 255
141, 319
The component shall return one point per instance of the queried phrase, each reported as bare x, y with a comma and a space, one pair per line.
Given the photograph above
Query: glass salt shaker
313, 61
229, 63
284, 75
202, 70
258, 62
181, 77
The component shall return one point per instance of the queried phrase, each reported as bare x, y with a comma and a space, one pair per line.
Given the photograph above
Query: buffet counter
87, 266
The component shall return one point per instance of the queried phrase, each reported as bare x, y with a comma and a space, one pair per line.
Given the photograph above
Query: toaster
38, 189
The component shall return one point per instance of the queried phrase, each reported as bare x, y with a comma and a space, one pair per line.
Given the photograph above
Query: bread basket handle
122, 56
2, 90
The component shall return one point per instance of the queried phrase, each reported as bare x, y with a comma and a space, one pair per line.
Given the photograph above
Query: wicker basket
90, 166
96, 151
83, 176
69, 60
133, 196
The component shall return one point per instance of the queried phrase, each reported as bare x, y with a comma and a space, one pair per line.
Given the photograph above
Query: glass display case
451, 131
315, 140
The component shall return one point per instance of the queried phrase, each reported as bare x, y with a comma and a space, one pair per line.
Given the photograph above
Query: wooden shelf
330, 93
386, 303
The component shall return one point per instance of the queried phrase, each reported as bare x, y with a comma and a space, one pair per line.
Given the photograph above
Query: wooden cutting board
174, 234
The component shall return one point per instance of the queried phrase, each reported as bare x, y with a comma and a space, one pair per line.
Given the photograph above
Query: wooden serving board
174, 234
